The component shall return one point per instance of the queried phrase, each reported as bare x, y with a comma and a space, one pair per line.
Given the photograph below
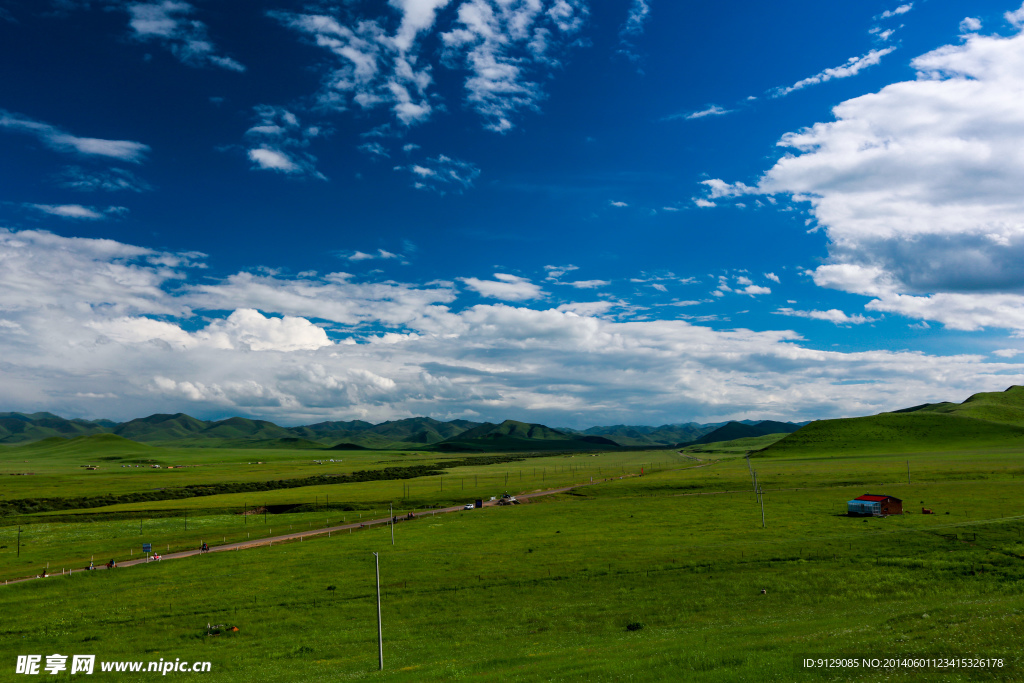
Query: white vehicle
468, 506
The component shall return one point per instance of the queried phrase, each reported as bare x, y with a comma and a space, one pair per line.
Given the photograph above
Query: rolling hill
731, 431
182, 430
985, 420
511, 435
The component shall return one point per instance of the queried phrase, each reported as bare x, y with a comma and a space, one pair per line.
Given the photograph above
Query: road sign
147, 547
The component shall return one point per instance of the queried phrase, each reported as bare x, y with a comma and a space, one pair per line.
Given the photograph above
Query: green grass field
548, 590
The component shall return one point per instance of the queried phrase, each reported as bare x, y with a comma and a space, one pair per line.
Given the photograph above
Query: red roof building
874, 505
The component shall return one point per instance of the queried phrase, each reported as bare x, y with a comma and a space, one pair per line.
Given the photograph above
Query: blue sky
560, 211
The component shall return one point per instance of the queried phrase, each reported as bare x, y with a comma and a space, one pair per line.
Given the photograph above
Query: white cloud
587, 284
68, 211
772, 276
1015, 17
442, 174
902, 9
374, 68
852, 67
639, 11
279, 142
918, 187
754, 290
110, 180
505, 287
970, 24
503, 45
170, 23
744, 280
362, 256
1007, 353
56, 139
587, 308
703, 203
833, 315
375, 149
273, 160
620, 205
710, 110
555, 272
100, 327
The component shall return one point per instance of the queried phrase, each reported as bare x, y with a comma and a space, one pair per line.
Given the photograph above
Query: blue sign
147, 547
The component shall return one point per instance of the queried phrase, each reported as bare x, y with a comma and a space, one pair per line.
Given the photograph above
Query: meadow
638, 578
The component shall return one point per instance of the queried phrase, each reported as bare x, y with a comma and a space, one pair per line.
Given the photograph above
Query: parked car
468, 506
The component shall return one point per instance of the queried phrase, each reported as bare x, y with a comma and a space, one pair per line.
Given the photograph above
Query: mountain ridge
183, 430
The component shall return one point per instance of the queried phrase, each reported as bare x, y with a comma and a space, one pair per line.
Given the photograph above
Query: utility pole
380, 631
908, 471
391, 511
19, 540
761, 495
245, 515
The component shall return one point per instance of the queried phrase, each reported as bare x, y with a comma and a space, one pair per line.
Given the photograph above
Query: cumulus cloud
1015, 17
902, 9
587, 308
170, 23
442, 174
918, 187
970, 24
362, 256
555, 272
852, 67
772, 276
505, 287
101, 327
61, 141
833, 315
278, 141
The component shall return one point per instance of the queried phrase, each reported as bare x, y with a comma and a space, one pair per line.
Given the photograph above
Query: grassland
546, 590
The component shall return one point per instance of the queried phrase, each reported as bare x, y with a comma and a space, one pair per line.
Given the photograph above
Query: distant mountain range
412, 433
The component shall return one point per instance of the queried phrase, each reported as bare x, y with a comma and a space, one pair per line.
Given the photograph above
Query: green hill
512, 435
731, 431
513, 429
742, 445
1005, 407
639, 435
91, 446
896, 433
26, 427
160, 427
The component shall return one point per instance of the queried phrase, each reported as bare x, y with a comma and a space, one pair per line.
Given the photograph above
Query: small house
872, 505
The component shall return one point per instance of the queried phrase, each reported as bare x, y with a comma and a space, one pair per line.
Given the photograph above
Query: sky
569, 212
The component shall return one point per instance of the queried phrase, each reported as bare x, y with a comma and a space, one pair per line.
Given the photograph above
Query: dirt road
299, 535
